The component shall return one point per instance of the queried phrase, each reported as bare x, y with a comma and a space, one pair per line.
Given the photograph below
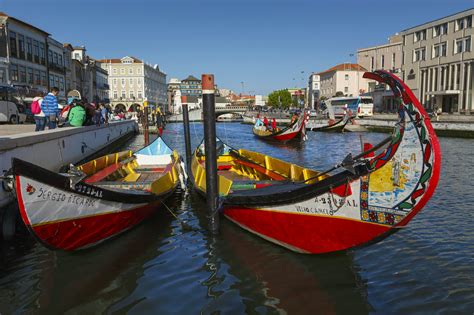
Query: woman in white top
40, 118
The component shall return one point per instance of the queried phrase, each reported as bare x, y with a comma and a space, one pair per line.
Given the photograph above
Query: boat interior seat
144, 160
132, 177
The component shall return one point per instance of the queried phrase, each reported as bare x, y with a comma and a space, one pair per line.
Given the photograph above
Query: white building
314, 91
345, 78
132, 81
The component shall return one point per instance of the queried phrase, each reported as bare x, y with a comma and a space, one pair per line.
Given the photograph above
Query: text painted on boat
88, 190
327, 205
62, 197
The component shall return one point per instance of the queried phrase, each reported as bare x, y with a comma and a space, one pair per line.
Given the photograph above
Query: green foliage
279, 99
339, 94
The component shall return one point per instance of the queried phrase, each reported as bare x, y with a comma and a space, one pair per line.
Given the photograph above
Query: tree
339, 94
279, 99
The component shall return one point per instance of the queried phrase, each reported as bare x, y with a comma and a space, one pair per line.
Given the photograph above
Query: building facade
23, 60
383, 57
132, 81
314, 91
56, 67
438, 62
346, 78
174, 85
191, 86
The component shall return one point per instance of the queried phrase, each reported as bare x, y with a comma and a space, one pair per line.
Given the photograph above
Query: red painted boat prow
360, 201
99, 199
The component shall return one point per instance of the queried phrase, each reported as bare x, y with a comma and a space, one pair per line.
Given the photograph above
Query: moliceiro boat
96, 200
331, 125
358, 202
295, 131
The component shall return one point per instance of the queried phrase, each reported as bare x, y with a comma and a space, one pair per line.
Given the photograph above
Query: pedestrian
50, 108
104, 114
437, 112
40, 118
77, 115
274, 124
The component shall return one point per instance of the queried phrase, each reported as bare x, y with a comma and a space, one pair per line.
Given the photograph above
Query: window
123, 94
140, 96
130, 71
56, 81
346, 89
441, 29
132, 94
42, 54
139, 71
60, 60
115, 71
462, 45
22, 74
393, 60
130, 81
115, 82
420, 35
346, 77
29, 49
30, 76
21, 46
139, 82
122, 71
50, 57
465, 22
37, 77
51, 81
13, 47
44, 80
382, 61
439, 50
61, 84
77, 56
372, 64
123, 82
115, 95
13, 73
55, 58
36, 56
419, 54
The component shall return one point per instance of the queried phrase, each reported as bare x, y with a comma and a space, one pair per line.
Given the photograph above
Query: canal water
166, 267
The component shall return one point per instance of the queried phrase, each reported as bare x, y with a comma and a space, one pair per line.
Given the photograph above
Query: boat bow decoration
358, 202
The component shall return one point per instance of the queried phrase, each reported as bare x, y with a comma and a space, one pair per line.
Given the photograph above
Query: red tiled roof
344, 67
119, 60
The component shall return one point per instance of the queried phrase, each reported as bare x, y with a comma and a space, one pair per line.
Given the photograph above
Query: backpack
35, 107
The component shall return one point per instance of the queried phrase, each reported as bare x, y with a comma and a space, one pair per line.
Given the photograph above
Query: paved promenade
7, 130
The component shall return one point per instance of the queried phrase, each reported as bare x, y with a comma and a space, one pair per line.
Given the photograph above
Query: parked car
11, 110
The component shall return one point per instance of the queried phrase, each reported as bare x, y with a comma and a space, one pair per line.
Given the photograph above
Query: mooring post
145, 122
187, 134
212, 193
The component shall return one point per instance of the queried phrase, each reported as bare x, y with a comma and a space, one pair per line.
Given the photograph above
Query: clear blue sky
264, 43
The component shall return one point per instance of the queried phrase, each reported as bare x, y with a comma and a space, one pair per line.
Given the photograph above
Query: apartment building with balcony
23, 60
132, 81
438, 62
191, 86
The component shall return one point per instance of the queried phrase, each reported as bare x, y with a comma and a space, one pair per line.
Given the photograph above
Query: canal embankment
52, 149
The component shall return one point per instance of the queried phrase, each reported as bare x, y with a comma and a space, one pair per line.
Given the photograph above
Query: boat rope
355, 159
343, 200
184, 225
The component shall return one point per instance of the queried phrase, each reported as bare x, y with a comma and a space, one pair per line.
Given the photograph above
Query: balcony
57, 68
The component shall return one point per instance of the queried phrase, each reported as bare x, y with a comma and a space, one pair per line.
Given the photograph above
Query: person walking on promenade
40, 118
50, 107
